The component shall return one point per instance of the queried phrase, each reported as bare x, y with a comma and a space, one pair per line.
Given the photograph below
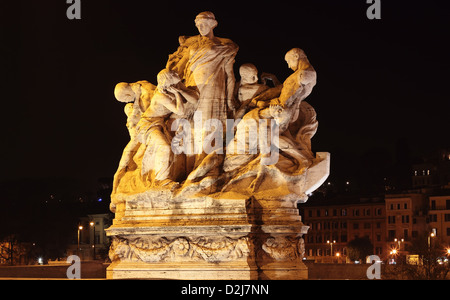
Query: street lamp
93, 240
78, 248
393, 254
399, 243
331, 245
431, 235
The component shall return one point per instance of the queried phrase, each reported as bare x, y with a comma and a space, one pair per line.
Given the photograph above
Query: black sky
378, 80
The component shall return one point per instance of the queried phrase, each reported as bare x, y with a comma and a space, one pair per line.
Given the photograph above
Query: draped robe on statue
205, 64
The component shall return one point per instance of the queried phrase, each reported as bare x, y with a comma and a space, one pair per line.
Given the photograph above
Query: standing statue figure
205, 62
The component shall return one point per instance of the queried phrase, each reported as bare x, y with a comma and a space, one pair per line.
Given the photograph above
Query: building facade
332, 226
434, 171
439, 218
406, 217
92, 242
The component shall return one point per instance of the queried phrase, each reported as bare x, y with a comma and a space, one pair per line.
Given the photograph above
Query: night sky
379, 81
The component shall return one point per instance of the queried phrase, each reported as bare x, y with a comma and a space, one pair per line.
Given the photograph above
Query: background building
432, 171
93, 242
439, 217
406, 216
333, 225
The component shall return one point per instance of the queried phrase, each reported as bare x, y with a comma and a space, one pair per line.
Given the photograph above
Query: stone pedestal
208, 239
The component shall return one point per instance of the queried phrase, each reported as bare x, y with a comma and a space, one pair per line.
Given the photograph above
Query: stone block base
182, 271
189, 271
225, 239
217, 252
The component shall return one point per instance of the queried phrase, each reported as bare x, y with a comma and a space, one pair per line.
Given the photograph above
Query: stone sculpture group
209, 183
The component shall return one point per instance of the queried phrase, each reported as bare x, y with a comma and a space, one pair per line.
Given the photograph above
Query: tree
359, 248
10, 250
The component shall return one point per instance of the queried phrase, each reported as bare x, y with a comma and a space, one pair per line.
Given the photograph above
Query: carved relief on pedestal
151, 249
284, 248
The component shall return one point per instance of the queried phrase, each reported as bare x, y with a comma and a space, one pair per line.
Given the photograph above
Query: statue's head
124, 93
167, 78
293, 57
205, 22
249, 74
280, 115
